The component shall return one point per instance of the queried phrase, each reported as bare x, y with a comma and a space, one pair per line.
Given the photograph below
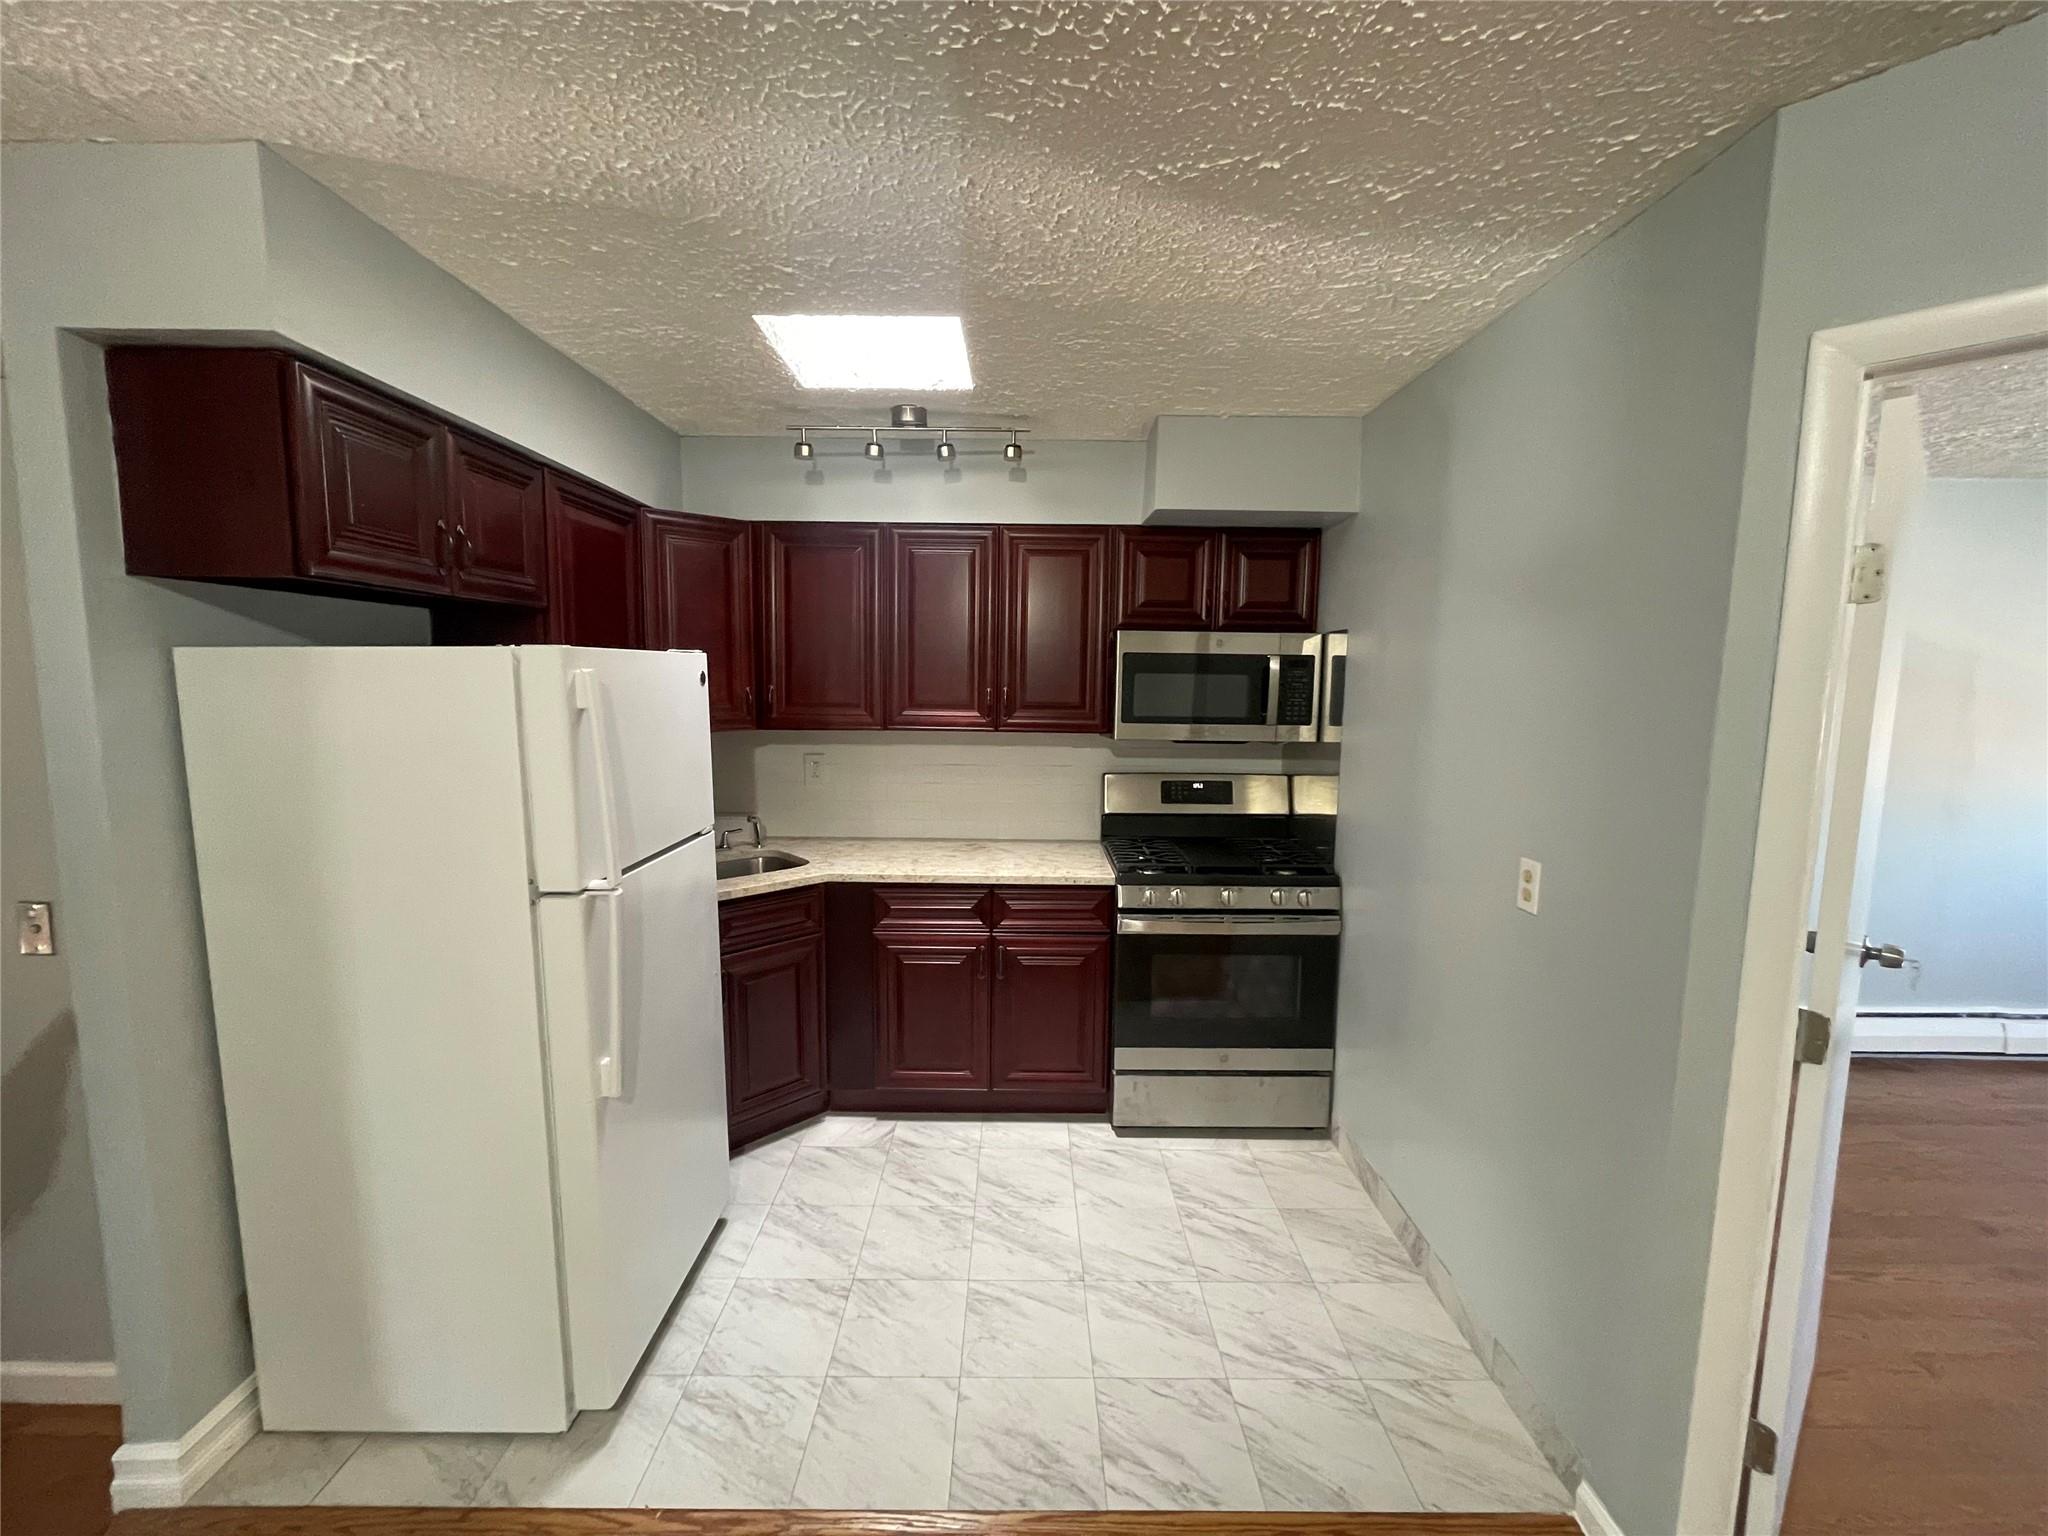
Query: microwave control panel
1297, 691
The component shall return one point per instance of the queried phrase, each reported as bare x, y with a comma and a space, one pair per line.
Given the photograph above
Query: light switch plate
1528, 885
814, 767
37, 936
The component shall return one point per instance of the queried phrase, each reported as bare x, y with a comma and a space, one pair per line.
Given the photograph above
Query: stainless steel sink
767, 860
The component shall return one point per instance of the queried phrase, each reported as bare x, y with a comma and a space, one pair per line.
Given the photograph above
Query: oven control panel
1247, 900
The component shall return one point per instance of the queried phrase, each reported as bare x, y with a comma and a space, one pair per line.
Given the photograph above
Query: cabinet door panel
931, 1009
1166, 578
1050, 1022
1055, 629
1269, 580
372, 493
774, 1033
700, 597
822, 663
594, 585
498, 514
942, 653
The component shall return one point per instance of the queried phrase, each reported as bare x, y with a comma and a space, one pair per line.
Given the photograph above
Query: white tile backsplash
938, 784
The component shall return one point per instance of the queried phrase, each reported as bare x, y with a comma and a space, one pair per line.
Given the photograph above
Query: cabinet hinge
1869, 573
1760, 1450
1816, 1030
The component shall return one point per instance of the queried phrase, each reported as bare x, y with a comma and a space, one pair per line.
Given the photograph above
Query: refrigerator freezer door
618, 758
359, 825
641, 1176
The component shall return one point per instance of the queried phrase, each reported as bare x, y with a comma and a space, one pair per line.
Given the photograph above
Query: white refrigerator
461, 920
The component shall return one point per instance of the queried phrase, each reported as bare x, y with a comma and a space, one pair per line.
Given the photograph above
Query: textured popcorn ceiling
1982, 419
1137, 209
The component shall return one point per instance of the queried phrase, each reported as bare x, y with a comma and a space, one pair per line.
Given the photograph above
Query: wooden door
774, 1034
497, 517
1165, 578
931, 1008
942, 652
821, 661
1055, 608
594, 576
1269, 579
700, 597
372, 492
1049, 1021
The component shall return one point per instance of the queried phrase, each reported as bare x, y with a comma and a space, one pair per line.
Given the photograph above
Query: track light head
1013, 451
874, 447
946, 450
804, 450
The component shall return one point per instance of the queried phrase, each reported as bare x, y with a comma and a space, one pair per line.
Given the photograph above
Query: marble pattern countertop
925, 861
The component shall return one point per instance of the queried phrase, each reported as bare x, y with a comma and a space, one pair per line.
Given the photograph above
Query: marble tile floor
1006, 1314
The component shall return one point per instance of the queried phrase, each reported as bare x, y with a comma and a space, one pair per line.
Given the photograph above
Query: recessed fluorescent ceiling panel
905, 352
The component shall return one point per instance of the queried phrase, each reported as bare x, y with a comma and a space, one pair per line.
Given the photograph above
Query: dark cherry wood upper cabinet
1269, 579
1165, 578
497, 514
1055, 606
700, 597
931, 1008
821, 625
372, 502
942, 650
594, 569
1049, 1021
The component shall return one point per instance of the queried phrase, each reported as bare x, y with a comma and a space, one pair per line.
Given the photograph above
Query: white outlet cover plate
1528, 885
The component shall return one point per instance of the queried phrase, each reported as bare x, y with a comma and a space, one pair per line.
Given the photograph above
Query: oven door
1216, 993
1194, 686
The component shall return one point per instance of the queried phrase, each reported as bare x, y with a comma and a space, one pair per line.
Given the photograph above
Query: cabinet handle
747, 698
1006, 701
462, 547
988, 699
441, 542
999, 963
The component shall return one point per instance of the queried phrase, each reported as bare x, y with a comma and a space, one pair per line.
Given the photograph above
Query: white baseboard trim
1591, 1514
58, 1381
162, 1474
1948, 1034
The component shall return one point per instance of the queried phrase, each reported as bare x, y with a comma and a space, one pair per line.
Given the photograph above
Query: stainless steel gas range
1229, 920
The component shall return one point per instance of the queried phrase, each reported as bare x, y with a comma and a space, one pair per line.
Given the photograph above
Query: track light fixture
908, 420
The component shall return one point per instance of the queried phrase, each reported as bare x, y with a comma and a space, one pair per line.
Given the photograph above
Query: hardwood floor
1929, 1409
55, 1464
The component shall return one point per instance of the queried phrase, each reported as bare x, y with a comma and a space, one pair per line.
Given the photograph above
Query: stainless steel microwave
1194, 685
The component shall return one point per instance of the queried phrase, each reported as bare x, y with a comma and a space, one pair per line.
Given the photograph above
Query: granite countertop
925, 861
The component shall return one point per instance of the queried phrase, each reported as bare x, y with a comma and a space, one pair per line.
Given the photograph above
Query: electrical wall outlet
1528, 885
814, 767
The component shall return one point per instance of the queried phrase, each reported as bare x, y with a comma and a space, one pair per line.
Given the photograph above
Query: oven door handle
1323, 926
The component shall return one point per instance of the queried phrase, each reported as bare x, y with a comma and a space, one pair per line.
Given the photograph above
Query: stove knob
1304, 898
1173, 897
1229, 896
1277, 897
1149, 896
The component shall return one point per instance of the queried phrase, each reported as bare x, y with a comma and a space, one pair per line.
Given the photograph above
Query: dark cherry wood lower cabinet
969, 998
1049, 1026
773, 959
931, 1008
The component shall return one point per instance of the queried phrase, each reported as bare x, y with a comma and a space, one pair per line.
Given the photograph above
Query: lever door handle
1887, 957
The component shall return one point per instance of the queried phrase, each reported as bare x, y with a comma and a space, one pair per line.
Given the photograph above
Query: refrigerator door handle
611, 1070
588, 698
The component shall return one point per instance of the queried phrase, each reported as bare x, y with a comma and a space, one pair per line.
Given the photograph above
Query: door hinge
1760, 1450
1816, 1031
1869, 573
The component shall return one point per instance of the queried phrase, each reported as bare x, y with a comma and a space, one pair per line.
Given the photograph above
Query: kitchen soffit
1137, 209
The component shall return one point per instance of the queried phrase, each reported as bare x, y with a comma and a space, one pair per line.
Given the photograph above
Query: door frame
1841, 365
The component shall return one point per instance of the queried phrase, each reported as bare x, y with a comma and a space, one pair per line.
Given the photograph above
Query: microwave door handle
1273, 689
